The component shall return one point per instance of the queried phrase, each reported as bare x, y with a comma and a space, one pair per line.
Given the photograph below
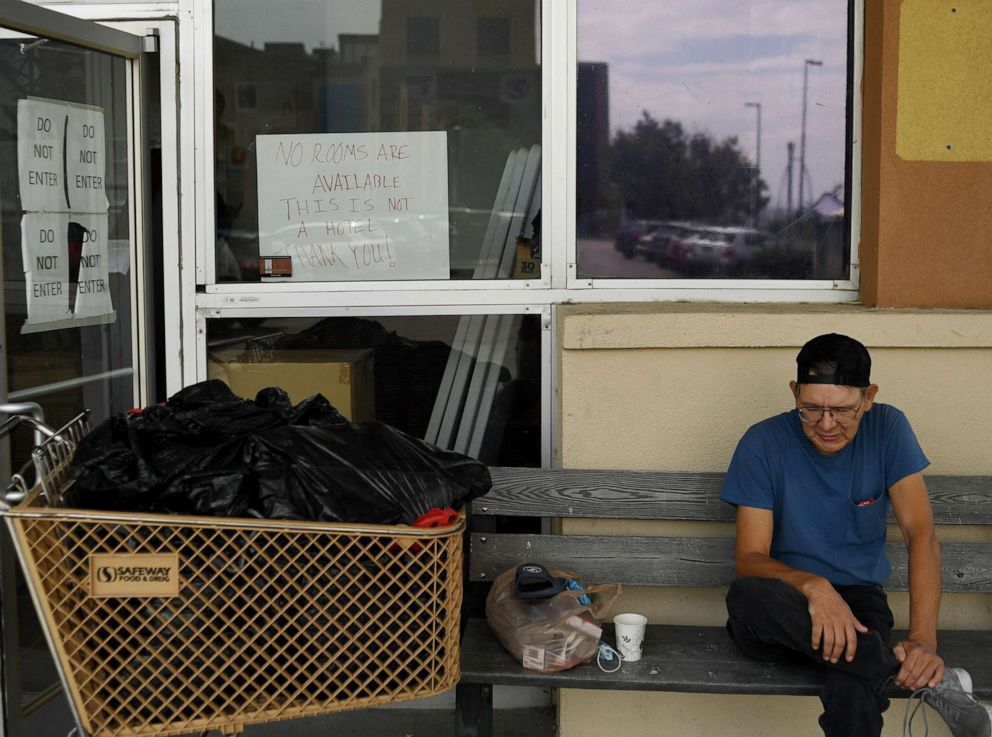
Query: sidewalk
407, 723
56, 721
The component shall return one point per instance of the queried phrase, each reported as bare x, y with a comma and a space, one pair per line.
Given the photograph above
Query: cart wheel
73, 733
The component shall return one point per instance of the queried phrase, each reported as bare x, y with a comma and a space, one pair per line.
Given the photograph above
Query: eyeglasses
840, 415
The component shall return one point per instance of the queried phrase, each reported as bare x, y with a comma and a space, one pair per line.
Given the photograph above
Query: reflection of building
462, 65
348, 85
432, 78
284, 88
469, 67
460, 35
592, 139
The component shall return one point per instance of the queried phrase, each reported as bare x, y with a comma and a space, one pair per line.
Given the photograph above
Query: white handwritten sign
46, 266
40, 154
354, 206
61, 157
86, 159
93, 283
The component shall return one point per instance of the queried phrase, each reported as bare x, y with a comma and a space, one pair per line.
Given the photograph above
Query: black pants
769, 620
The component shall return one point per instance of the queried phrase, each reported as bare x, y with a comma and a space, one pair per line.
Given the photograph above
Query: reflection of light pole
802, 138
757, 167
790, 148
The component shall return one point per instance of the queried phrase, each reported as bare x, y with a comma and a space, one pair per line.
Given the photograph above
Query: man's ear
870, 392
792, 387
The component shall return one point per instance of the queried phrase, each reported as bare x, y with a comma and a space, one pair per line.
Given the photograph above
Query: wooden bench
676, 658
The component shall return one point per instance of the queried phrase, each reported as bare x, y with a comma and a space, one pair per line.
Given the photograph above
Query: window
471, 383
713, 140
65, 207
363, 142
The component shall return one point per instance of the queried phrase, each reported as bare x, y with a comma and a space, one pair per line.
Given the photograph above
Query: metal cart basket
164, 625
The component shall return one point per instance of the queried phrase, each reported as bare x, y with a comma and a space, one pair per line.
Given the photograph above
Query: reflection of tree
665, 173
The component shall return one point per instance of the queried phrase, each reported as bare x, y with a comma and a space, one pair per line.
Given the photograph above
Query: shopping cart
166, 624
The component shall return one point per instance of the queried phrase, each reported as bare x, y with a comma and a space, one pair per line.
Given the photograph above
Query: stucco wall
925, 218
673, 387
676, 385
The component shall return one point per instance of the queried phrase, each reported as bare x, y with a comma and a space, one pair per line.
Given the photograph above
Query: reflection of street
599, 259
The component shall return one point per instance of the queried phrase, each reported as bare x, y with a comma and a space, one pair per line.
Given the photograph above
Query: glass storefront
401, 141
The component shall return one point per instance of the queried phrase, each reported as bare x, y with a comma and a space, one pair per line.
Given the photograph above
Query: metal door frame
24, 17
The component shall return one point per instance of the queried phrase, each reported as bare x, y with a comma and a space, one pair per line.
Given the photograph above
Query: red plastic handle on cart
141, 410
433, 518
436, 518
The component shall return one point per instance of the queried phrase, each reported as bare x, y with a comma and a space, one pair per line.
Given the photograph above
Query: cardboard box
344, 376
527, 264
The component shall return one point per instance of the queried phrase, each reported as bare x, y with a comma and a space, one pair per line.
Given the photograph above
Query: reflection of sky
699, 62
731, 49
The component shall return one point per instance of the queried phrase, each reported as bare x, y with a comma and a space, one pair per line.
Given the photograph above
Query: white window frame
557, 283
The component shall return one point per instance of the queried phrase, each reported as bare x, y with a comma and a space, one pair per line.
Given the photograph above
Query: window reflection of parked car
634, 236
663, 247
722, 249
678, 248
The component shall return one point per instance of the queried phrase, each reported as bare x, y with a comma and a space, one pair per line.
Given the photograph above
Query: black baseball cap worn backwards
833, 359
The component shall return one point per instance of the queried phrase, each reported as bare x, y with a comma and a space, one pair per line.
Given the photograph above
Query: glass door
71, 258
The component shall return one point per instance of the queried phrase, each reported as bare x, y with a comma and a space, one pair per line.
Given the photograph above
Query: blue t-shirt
829, 511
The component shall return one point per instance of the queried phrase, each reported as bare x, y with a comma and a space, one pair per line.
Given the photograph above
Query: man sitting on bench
812, 488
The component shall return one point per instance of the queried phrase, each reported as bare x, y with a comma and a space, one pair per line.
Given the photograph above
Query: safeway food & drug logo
125, 575
135, 574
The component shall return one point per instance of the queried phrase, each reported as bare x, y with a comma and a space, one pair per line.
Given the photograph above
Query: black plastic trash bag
209, 452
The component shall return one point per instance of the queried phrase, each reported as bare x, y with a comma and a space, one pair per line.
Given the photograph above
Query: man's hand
917, 654
921, 666
833, 622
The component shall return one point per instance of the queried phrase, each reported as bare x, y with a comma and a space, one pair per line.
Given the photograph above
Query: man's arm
831, 617
918, 652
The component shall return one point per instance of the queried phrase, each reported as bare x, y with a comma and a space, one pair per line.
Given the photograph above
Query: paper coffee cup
629, 630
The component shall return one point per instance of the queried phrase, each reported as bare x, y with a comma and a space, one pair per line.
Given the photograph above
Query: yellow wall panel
945, 81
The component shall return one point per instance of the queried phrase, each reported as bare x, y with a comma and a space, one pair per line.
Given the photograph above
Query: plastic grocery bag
552, 634
209, 452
